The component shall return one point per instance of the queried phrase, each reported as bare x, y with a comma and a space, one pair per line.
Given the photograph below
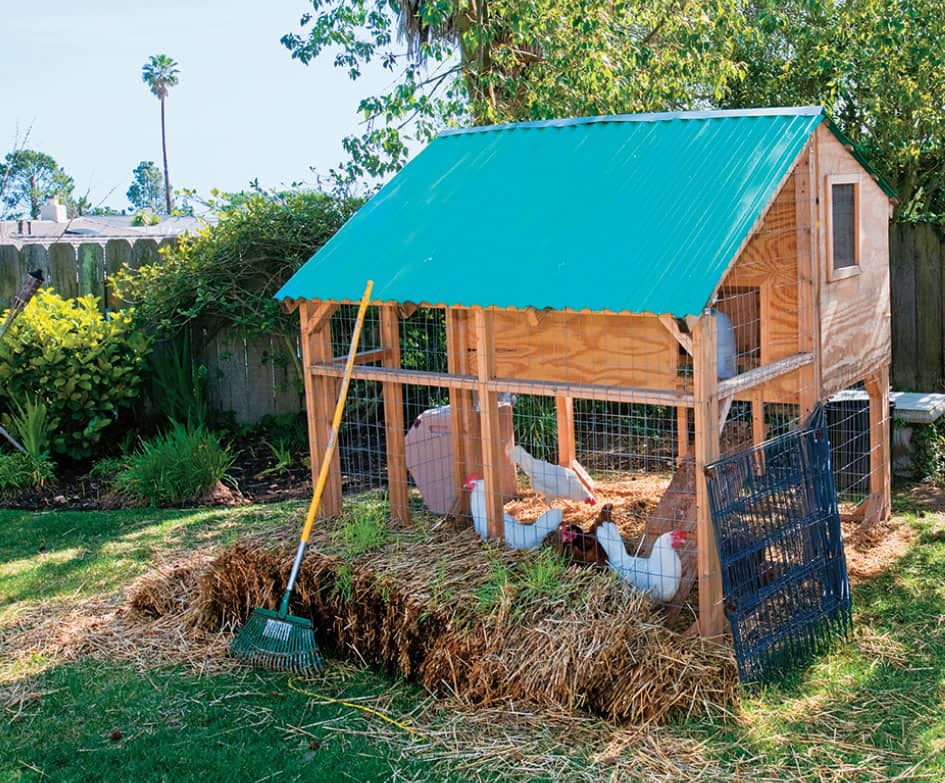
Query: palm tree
159, 73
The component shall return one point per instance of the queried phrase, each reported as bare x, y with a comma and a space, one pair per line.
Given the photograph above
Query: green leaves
83, 367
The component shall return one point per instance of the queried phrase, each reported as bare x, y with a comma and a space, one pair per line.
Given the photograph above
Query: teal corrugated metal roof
639, 213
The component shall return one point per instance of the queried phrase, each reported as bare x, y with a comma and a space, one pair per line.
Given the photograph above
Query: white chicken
659, 574
517, 535
552, 481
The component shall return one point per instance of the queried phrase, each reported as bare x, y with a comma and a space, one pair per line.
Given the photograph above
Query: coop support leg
489, 421
462, 431
394, 418
567, 451
878, 505
320, 397
706, 380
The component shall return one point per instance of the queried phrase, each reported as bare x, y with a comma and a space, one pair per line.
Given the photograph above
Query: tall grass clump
179, 465
30, 424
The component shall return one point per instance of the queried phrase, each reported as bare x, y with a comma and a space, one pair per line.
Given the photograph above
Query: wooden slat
706, 392
394, 417
766, 372
759, 431
369, 357
118, 256
321, 395
903, 299
541, 388
682, 433
928, 292
683, 338
489, 421
91, 265
879, 504
564, 409
63, 275
321, 317
463, 427
808, 288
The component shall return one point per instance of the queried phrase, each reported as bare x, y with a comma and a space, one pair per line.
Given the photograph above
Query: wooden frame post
321, 395
682, 433
705, 387
461, 406
567, 449
808, 279
489, 421
397, 489
879, 504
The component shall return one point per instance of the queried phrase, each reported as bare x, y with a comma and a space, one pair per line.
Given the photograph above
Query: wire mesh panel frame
777, 526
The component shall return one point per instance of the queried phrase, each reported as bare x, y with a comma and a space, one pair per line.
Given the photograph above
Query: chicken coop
629, 297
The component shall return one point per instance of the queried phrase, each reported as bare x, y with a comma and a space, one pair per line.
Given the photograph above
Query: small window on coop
844, 231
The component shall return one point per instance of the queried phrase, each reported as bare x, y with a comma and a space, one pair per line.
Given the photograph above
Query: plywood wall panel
854, 311
607, 350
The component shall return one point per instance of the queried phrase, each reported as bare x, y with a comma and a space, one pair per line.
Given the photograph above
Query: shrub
180, 465
85, 367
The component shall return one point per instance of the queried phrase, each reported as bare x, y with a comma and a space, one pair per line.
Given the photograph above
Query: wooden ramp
677, 511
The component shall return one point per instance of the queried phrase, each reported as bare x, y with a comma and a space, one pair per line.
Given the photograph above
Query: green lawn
874, 710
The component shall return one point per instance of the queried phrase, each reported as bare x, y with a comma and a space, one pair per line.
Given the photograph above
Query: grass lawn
873, 710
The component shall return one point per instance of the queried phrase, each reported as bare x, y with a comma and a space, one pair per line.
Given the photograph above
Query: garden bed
73, 488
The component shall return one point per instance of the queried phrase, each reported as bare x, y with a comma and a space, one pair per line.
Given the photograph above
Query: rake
276, 639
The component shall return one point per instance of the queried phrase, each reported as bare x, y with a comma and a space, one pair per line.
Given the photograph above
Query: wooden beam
532, 316
462, 422
374, 355
489, 421
320, 314
321, 394
584, 391
808, 280
397, 489
682, 433
879, 504
567, 452
672, 326
766, 372
706, 393
759, 431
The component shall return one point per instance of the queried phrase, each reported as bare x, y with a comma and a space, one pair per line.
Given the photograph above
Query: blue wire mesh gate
784, 575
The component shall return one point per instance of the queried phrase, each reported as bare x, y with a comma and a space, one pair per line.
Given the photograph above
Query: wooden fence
243, 376
916, 262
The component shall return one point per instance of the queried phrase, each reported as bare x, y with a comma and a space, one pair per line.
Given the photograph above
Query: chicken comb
678, 537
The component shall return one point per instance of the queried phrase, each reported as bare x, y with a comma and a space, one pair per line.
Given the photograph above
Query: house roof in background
638, 213
95, 228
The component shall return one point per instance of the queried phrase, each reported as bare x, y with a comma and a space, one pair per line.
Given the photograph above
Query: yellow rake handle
336, 420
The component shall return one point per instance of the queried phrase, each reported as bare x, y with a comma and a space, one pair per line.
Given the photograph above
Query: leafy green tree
160, 73
28, 178
878, 67
490, 61
147, 188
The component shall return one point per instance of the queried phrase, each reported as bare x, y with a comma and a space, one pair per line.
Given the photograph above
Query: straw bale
411, 608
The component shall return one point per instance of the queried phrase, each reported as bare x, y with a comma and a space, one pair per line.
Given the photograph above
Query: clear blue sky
71, 74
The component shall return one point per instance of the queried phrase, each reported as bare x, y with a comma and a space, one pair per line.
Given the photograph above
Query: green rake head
283, 642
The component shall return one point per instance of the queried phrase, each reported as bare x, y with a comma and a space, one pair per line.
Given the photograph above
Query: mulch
73, 489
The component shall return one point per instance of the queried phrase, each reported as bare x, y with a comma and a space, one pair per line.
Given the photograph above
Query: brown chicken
583, 547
